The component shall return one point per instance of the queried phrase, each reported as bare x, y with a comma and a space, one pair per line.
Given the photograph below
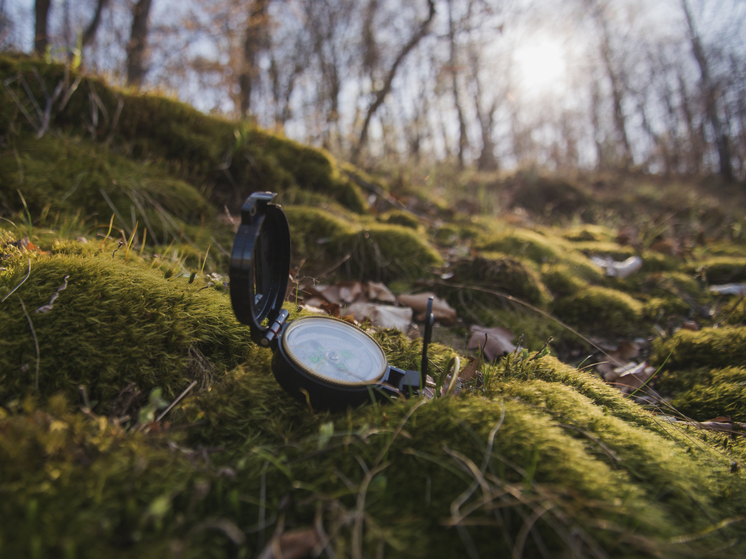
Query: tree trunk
254, 42
709, 92
463, 140
138, 43
617, 94
41, 26
90, 32
386, 88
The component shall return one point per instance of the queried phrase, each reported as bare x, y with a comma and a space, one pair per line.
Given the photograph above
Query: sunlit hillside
586, 381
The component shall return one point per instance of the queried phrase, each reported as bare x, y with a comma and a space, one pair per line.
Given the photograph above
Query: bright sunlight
540, 65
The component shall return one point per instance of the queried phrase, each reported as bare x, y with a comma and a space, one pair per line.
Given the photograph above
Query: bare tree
710, 95
255, 41
90, 31
380, 95
41, 26
136, 49
453, 68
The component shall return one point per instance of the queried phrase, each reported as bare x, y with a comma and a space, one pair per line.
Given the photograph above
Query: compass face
334, 351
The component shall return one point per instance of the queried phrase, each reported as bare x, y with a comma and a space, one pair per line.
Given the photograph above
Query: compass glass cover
335, 351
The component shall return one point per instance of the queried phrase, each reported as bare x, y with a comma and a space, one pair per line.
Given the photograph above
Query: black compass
328, 362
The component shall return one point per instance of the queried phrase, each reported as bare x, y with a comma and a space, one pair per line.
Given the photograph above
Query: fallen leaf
291, 545
383, 316
442, 311
349, 291
379, 292
633, 376
494, 342
616, 269
729, 289
471, 370
332, 309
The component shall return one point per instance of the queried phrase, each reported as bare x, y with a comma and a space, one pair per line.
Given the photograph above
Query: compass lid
260, 264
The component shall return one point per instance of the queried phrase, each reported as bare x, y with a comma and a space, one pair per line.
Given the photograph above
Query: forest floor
598, 320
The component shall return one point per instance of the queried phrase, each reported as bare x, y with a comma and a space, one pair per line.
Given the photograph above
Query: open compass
330, 362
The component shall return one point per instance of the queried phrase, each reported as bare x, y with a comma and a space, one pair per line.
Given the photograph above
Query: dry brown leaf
442, 311
383, 316
332, 309
494, 342
471, 369
633, 376
379, 292
291, 545
349, 291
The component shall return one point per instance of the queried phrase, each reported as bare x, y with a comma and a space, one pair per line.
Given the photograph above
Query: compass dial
334, 350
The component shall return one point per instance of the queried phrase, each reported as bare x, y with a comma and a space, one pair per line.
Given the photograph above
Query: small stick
83, 391
36, 342
20, 284
181, 396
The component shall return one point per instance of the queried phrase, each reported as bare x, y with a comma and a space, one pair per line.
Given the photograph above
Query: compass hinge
275, 327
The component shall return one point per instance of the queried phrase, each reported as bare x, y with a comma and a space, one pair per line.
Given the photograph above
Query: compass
328, 362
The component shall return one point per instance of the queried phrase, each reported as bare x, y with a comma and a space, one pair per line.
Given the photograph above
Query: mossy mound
413, 478
601, 308
525, 244
226, 159
501, 273
720, 270
117, 327
60, 178
702, 370
561, 280
400, 217
709, 347
705, 394
325, 243
587, 232
550, 197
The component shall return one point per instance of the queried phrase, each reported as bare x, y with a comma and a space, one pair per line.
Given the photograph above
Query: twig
84, 393
179, 399
20, 284
48, 307
36, 342
17, 101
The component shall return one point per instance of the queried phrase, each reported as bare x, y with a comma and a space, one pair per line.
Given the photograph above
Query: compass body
323, 361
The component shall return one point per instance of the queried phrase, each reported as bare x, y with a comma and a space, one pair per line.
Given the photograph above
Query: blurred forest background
485, 84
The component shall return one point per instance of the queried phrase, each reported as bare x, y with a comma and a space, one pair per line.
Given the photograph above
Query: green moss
400, 217
561, 280
733, 312
503, 273
72, 176
596, 248
550, 197
720, 270
709, 347
374, 251
657, 262
587, 232
114, 325
657, 309
705, 394
202, 149
525, 244
601, 309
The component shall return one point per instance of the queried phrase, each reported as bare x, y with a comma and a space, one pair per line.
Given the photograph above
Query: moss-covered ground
103, 325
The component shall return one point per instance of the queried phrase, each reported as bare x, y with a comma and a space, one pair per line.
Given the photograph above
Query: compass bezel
307, 322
